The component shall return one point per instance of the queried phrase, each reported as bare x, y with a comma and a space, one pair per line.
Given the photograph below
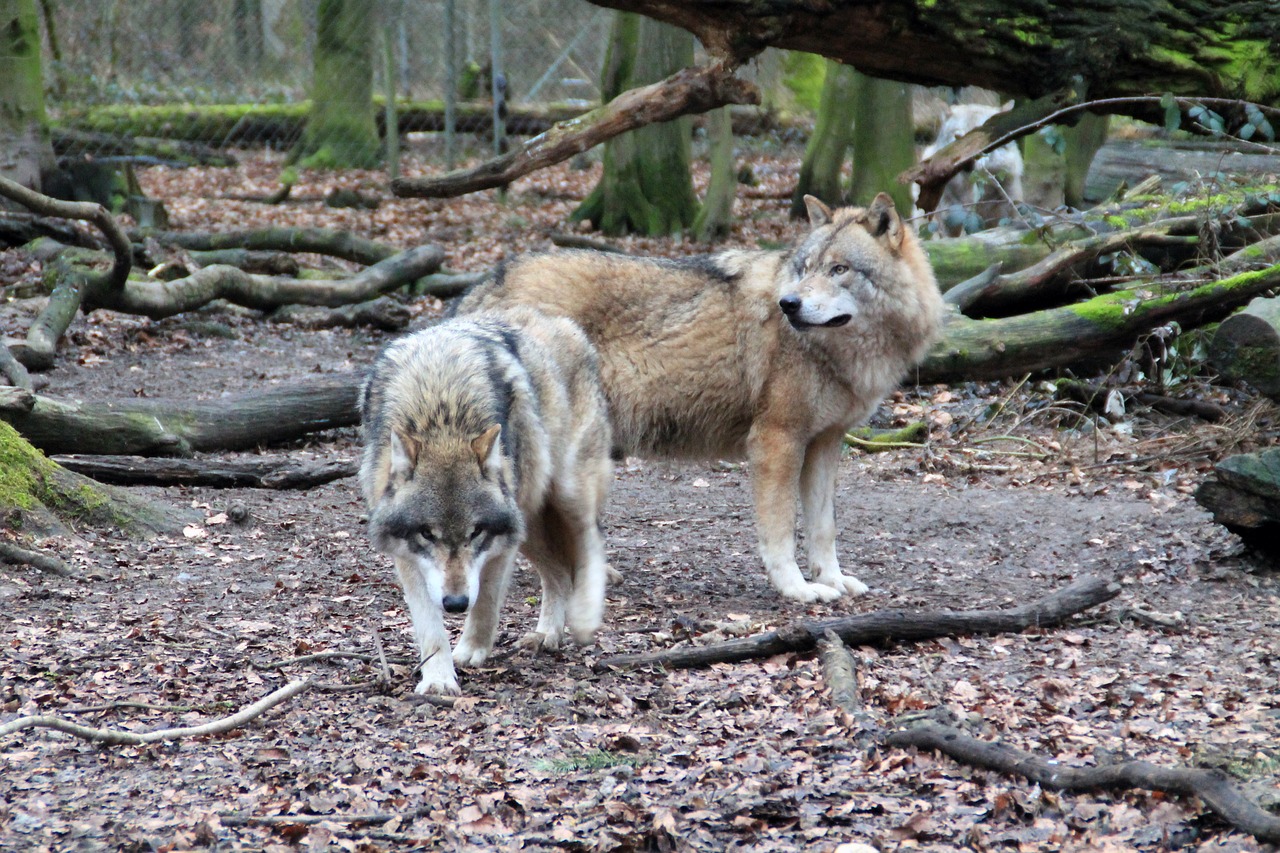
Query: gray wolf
482, 436
771, 355
992, 187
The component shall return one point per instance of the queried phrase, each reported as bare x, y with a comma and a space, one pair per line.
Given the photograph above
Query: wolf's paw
469, 653
540, 641
584, 635
439, 680
614, 576
846, 584
810, 592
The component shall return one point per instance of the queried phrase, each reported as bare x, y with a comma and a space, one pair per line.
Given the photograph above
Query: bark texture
1222, 48
646, 187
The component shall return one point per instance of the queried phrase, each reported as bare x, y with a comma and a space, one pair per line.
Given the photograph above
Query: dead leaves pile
542, 753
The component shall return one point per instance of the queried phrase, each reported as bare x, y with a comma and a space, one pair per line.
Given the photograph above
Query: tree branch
121, 248
1213, 787
111, 737
319, 241
884, 626
691, 90
159, 299
17, 555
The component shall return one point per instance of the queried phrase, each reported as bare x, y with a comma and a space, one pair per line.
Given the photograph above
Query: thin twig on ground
110, 737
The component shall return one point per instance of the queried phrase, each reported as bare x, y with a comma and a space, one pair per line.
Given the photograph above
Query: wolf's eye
839, 269
477, 532
427, 535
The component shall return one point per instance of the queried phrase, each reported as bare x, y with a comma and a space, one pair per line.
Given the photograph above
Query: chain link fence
105, 59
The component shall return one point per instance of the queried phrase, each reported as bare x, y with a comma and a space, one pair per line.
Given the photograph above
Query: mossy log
43, 498
251, 125
71, 142
157, 427
1098, 327
1246, 346
248, 125
1239, 215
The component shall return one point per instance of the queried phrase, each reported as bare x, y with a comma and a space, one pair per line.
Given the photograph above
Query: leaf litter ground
543, 752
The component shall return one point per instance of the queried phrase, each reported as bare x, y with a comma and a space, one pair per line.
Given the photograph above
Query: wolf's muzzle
455, 603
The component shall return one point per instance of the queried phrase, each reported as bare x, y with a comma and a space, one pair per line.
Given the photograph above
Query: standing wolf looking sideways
769, 354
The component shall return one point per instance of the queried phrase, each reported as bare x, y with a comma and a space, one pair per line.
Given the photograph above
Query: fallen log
178, 427
692, 90
281, 473
1214, 788
883, 626
382, 313
142, 149
43, 497
1096, 328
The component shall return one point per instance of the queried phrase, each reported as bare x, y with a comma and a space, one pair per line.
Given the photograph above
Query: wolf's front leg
818, 499
481, 628
438, 675
776, 460
591, 576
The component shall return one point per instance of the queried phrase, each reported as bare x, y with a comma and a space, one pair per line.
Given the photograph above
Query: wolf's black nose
455, 603
789, 304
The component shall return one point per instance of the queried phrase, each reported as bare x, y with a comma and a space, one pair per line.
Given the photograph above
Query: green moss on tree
49, 498
646, 187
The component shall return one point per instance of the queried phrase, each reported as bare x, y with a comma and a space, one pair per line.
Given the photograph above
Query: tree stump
1244, 496
1247, 346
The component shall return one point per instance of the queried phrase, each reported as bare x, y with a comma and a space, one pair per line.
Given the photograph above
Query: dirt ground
1013, 496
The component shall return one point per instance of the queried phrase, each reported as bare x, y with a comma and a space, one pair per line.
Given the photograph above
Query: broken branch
112, 737
884, 626
1212, 786
691, 90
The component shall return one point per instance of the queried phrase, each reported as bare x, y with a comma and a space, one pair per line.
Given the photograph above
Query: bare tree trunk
646, 187
883, 141
832, 135
716, 216
341, 130
25, 151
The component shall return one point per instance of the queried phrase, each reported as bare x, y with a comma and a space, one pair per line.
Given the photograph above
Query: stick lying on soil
885, 625
1213, 787
110, 737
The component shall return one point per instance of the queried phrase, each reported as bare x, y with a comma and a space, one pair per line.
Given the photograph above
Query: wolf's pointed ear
883, 221
486, 447
819, 213
404, 454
